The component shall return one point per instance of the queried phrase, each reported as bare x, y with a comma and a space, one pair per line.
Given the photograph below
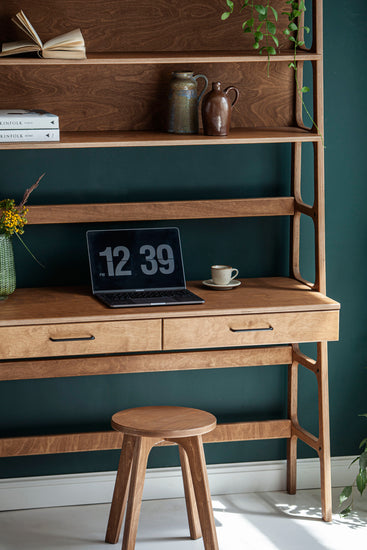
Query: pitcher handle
206, 84
236, 92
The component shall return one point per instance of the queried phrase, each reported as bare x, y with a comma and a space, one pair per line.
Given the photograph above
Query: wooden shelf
71, 140
148, 58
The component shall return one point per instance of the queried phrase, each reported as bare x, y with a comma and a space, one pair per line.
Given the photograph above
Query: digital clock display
130, 259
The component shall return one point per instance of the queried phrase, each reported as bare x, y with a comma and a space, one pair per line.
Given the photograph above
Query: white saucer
229, 286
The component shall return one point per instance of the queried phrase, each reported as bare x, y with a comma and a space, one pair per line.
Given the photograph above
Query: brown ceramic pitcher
217, 109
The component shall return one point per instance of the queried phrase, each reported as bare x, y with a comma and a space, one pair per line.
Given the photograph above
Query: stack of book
28, 125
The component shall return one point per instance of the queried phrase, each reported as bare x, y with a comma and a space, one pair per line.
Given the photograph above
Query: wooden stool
143, 428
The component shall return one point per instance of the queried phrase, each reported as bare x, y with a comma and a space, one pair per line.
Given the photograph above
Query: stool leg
195, 453
121, 490
192, 511
140, 458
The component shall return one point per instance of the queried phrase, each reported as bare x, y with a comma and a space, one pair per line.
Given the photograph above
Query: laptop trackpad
153, 301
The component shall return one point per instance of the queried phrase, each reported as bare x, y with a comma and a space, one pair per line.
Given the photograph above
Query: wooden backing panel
135, 97
71, 140
114, 26
80, 339
228, 208
90, 366
103, 441
249, 330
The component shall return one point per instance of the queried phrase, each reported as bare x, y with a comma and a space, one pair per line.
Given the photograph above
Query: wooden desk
57, 332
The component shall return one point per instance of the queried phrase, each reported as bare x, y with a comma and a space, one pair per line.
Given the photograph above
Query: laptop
138, 267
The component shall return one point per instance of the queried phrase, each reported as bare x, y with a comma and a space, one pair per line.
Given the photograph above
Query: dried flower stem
29, 191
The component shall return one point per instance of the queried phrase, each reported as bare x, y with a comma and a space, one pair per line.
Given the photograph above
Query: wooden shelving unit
117, 98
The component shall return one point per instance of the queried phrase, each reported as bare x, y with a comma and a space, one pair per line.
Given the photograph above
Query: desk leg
324, 430
293, 416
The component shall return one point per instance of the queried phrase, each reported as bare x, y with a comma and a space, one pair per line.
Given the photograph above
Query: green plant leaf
230, 4
345, 494
292, 26
287, 32
271, 50
225, 15
249, 24
305, 89
271, 27
346, 511
275, 13
276, 41
361, 481
363, 460
363, 442
258, 36
291, 66
256, 46
307, 29
261, 10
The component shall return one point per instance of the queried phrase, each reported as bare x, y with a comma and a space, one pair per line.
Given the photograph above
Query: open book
66, 46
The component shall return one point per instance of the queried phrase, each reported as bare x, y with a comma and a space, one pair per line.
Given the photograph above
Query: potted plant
13, 218
261, 21
360, 481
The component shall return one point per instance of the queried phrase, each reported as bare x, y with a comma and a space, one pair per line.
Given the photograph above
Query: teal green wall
257, 246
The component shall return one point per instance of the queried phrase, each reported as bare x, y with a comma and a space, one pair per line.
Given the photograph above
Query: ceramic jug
183, 102
217, 110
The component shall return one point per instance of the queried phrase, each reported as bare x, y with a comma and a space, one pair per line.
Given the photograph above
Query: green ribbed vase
7, 267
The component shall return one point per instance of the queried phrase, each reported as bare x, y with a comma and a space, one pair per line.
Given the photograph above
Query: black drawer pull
250, 329
72, 339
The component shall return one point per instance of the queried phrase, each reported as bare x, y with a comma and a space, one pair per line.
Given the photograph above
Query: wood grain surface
77, 305
115, 25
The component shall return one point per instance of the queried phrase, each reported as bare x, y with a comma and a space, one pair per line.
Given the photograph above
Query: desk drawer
79, 338
250, 330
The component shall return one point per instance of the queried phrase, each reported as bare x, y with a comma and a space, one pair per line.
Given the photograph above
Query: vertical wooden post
324, 430
293, 416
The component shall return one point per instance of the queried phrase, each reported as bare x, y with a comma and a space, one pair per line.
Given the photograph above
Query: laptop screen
135, 259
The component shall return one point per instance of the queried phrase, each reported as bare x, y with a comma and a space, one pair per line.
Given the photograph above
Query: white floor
256, 521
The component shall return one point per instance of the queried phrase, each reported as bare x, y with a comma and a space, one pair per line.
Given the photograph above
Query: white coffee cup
223, 274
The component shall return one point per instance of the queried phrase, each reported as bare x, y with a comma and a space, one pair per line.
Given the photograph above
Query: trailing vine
262, 24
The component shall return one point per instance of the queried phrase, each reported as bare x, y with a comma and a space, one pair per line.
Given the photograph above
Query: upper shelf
121, 58
70, 140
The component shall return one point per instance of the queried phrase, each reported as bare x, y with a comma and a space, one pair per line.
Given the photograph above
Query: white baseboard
160, 483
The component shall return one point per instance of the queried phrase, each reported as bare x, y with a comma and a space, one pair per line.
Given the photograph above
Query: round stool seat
163, 421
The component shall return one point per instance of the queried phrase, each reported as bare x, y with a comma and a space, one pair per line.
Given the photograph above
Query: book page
70, 40
25, 25
22, 46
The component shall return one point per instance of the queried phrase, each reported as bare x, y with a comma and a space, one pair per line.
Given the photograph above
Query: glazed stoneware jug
217, 110
183, 102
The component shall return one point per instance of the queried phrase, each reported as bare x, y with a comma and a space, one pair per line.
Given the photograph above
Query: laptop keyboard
145, 294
